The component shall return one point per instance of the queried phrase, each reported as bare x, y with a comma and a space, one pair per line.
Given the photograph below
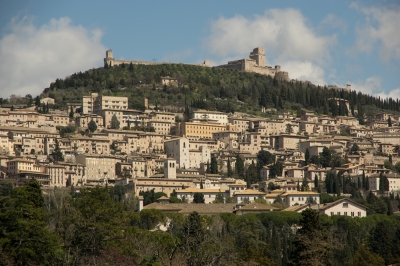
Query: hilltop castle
256, 63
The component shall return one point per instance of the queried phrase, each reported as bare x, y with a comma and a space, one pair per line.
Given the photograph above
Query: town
208, 157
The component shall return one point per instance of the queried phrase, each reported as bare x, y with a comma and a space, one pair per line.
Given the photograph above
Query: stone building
256, 63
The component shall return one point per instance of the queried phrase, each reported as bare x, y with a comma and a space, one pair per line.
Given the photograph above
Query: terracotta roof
187, 208
249, 191
200, 190
254, 206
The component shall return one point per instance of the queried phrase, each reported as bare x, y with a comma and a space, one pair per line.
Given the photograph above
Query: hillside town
109, 144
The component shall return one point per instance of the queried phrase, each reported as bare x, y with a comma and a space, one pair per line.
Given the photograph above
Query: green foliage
92, 126
354, 149
57, 154
229, 168
214, 165
307, 157
252, 175
151, 196
275, 170
65, 130
198, 197
239, 166
114, 122
219, 198
24, 237
265, 157
272, 186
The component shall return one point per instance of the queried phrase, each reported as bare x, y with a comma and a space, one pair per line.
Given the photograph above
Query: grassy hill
211, 88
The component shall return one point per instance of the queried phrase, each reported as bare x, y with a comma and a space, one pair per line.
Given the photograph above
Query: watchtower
109, 54
258, 54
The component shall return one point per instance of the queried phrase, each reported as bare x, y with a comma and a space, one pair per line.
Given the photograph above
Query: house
248, 194
346, 207
300, 197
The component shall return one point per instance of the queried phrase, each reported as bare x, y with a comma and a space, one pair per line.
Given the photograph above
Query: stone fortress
111, 61
256, 63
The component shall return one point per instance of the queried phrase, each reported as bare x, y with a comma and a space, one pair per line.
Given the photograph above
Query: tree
316, 181
219, 198
289, 129
251, 174
311, 244
92, 126
198, 198
354, 149
389, 122
25, 238
57, 154
71, 113
325, 157
239, 166
365, 257
383, 183
214, 165
276, 170
265, 157
307, 157
197, 245
229, 168
114, 122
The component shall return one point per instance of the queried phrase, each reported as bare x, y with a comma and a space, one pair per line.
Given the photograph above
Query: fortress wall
282, 75
128, 62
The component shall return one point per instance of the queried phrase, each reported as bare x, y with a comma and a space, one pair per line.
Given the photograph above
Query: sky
326, 42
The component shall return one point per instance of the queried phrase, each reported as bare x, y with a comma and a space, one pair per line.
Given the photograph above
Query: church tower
170, 168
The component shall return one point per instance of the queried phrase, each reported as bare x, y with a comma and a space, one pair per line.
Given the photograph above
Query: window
359, 214
345, 213
338, 213
345, 205
352, 214
332, 213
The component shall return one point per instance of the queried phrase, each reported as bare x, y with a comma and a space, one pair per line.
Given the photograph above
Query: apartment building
209, 116
98, 167
205, 130
94, 104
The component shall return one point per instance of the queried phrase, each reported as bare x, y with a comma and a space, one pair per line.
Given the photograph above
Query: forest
209, 88
100, 226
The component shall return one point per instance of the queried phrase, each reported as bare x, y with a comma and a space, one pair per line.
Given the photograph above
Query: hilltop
213, 89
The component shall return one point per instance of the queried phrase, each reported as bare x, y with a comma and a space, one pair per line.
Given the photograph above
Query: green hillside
210, 88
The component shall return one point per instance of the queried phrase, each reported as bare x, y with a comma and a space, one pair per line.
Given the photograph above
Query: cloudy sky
326, 42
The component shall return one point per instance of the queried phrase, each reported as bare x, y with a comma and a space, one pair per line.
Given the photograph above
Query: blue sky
326, 42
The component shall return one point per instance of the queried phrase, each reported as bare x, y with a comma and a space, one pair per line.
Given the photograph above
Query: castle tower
109, 54
170, 168
108, 61
258, 54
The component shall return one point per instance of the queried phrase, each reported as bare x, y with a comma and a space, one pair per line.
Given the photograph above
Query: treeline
98, 226
213, 89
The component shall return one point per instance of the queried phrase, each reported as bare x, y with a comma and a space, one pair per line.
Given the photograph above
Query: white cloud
285, 35
332, 21
34, 57
373, 86
381, 28
305, 70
